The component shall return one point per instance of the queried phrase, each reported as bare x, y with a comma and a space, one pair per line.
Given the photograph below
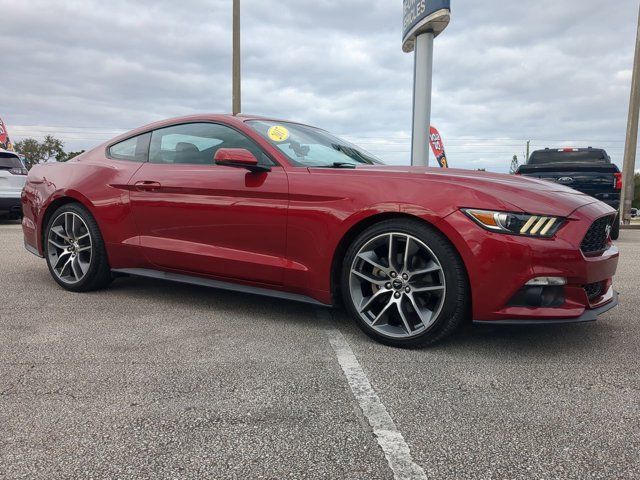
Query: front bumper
590, 315
500, 265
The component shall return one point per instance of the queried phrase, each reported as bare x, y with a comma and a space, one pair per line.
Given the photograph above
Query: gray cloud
554, 72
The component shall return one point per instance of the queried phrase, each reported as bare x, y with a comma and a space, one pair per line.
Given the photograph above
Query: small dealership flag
438, 147
4, 137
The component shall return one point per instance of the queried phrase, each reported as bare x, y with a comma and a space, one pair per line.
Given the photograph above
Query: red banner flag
4, 137
437, 146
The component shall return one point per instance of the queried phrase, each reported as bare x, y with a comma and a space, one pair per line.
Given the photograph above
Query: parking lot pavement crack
21, 377
59, 392
389, 438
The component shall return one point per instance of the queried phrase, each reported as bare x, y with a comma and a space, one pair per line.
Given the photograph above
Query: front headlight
543, 226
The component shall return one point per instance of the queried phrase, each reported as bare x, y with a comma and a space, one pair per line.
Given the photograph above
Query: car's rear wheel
75, 251
404, 283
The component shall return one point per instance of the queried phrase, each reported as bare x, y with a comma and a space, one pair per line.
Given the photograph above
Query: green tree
30, 148
66, 156
52, 148
38, 152
636, 195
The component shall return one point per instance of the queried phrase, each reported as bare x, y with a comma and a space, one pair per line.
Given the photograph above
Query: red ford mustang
284, 209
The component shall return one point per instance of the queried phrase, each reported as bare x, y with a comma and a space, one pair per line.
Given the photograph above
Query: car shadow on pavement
521, 341
200, 299
575, 340
515, 341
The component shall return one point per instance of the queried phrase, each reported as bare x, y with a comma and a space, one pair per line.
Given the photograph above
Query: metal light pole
631, 145
422, 83
236, 102
423, 20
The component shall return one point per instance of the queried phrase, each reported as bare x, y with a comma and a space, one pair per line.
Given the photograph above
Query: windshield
312, 147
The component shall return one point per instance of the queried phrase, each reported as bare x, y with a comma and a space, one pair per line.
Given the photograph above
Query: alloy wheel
69, 248
397, 285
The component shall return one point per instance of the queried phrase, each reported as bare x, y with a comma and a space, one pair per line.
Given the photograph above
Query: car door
197, 217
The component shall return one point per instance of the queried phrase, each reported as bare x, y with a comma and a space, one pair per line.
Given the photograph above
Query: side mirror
239, 158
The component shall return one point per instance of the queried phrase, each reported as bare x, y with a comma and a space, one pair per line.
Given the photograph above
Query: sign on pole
423, 16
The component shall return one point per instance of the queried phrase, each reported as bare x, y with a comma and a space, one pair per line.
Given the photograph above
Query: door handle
147, 186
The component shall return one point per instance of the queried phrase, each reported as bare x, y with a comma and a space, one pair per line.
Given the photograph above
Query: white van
13, 176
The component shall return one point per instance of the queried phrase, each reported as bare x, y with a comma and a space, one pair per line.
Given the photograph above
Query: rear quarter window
135, 149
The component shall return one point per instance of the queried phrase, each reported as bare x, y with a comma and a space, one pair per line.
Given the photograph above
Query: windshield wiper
335, 165
340, 165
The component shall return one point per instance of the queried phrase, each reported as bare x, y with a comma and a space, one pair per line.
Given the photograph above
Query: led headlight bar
543, 226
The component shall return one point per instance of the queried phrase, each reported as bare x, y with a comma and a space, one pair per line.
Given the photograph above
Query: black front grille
594, 290
595, 241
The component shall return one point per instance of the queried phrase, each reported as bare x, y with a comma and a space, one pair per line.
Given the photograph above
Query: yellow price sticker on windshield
278, 133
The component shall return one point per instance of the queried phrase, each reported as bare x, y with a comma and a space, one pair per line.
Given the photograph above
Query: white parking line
389, 438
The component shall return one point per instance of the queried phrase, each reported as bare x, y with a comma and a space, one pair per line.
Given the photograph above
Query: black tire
615, 228
456, 304
98, 275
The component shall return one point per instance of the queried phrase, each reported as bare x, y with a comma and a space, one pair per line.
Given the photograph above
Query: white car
13, 176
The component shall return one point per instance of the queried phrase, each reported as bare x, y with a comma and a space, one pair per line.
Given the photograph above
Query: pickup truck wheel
615, 228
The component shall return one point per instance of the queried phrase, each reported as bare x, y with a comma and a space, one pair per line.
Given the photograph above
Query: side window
197, 143
133, 149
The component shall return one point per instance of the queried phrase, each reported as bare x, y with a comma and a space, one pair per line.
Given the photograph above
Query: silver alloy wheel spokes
397, 285
69, 247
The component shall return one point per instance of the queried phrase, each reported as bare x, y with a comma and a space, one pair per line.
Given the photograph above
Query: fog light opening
539, 296
546, 282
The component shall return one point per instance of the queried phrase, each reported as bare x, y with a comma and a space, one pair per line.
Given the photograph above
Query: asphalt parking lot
156, 380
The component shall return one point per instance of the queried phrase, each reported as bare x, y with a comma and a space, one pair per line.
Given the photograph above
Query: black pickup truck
588, 170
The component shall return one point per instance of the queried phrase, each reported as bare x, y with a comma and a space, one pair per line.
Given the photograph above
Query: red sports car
284, 209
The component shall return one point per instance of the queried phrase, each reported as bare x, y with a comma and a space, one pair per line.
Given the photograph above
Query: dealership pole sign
422, 16
423, 20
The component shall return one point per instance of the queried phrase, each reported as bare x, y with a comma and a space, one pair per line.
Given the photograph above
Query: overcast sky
555, 72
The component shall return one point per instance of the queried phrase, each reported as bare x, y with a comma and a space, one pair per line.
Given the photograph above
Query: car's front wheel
75, 251
404, 283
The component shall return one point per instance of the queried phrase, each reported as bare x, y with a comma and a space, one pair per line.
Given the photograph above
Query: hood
524, 193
